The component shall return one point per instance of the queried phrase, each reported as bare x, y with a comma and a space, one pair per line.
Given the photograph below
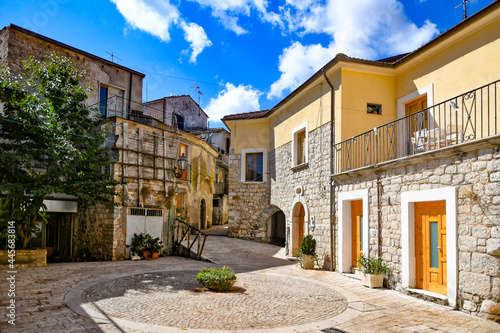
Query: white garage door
149, 221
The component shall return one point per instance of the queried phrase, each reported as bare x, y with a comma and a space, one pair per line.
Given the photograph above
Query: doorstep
428, 295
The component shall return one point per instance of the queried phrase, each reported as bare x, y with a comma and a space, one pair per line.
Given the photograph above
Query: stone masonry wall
314, 180
476, 176
246, 202
251, 205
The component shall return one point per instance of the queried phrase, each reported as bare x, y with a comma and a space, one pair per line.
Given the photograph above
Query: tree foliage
48, 141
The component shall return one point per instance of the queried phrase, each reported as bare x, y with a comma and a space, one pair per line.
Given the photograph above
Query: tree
45, 123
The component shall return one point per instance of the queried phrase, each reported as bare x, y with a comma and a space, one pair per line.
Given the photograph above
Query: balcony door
418, 123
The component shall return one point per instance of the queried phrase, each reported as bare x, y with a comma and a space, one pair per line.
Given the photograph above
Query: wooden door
430, 246
301, 224
356, 230
420, 121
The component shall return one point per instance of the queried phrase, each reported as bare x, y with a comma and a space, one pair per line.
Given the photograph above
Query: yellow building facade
395, 159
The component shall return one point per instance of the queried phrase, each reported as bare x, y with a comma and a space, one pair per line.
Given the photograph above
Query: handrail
187, 231
467, 117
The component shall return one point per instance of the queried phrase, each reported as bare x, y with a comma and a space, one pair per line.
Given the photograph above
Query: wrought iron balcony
466, 118
117, 106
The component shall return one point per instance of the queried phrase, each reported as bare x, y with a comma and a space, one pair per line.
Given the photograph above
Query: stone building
185, 112
408, 172
146, 146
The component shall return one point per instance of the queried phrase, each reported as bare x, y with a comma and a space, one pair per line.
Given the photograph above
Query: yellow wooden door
356, 230
430, 246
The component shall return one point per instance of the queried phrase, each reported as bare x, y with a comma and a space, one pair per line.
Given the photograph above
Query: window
103, 100
180, 121
183, 149
300, 145
373, 108
228, 145
215, 202
254, 167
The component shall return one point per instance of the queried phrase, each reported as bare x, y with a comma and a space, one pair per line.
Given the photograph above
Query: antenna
197, 91
464, 12
112, 56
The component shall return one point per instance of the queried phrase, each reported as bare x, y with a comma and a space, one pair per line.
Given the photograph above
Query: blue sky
245, 55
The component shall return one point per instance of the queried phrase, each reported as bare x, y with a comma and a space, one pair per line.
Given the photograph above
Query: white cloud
153, 16
228, 12
157, 17
297, 63
197, 38
234, 99
359, 28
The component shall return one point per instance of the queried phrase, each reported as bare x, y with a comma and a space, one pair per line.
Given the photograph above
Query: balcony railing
468, 117
117, 106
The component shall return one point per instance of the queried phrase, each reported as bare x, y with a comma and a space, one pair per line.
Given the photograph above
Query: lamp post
181, 166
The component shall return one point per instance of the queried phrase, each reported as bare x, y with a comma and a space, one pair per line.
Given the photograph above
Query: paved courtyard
273, 295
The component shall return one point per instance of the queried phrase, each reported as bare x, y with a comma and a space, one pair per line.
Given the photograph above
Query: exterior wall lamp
181, 166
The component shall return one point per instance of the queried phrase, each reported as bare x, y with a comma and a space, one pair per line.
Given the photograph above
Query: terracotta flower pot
146, 255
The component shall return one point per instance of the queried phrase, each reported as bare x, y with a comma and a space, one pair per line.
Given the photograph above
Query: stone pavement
274, 296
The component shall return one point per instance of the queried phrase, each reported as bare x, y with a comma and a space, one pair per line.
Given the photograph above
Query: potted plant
307, 252
374, 271
137, 246
152, 247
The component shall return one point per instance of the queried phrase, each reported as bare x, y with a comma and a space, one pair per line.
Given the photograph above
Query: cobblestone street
275, 296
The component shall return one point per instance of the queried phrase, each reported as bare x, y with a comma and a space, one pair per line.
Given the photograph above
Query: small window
300, 146
373, 108
216, 202
254, 167
180, 121
103, 100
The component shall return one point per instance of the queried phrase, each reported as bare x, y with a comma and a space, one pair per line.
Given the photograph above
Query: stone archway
276, 227
298, 226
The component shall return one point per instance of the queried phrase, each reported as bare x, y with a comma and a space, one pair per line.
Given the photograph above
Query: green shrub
217, 279
308, 246
373, 266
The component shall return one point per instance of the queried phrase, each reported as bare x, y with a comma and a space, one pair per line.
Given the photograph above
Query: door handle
439, 247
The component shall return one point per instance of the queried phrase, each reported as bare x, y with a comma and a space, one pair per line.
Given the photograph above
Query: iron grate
333, 330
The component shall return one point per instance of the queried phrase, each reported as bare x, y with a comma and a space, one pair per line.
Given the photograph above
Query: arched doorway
203, 214
298, 226
277, 228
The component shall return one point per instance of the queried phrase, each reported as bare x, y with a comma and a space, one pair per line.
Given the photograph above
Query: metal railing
465, 118
183, 232
121, 107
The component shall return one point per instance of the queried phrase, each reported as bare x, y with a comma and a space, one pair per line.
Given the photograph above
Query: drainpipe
129, 95
332, 185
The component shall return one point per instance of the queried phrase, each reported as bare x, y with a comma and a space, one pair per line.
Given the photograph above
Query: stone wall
474, 171
314, 183
252, 204
246, 201
93, 231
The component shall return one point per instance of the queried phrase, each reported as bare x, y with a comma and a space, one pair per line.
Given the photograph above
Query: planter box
372, 281
308, 261
25, 258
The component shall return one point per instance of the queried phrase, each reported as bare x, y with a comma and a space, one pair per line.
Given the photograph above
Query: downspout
130, 95
332, 184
